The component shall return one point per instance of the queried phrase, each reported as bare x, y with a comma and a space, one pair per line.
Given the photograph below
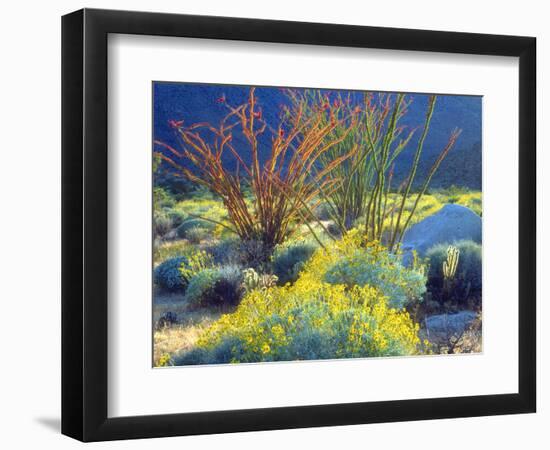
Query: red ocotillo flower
175, 123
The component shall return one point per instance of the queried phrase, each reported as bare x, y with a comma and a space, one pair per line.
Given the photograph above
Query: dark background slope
199, 103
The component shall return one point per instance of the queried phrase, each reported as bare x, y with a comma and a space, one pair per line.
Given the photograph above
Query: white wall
30, 224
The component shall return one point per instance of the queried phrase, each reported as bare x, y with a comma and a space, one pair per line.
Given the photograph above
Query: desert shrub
174, 274
382, 270
162, 198
176, 216
288, 260
313, 318
253, 253
195, 263
186, 226
167, 274
162, 223
199, 286
305, 321
472, 200
166, 218
461, 196
215, 287
227, 351
229, 285
233, 251
467, 281
225, 251
427, 206
196, 235
351, 261
334, 230
323, 211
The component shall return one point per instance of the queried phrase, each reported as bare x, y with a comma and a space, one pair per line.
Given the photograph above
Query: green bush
215, 287
323, 212
467, 282
253, 253
162, 224
173, 185
288, 260
229, 350
162, 198
376, 267
334, 230
196, 235
225, 251
177, 217
167, 275
175, 274
166, 219
189, 224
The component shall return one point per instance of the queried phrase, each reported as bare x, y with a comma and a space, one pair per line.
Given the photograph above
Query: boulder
450, 324
450, 224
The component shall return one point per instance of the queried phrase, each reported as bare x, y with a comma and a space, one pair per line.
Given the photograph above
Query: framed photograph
274, 225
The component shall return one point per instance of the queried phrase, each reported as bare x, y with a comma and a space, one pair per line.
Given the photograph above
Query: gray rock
450, 224
450, 324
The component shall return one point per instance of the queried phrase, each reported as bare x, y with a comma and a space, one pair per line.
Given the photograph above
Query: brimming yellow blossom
314, 319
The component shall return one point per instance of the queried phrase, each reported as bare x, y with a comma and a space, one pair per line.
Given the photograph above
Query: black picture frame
84, 224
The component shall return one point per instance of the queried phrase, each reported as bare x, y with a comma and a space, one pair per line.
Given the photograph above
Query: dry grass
168, 341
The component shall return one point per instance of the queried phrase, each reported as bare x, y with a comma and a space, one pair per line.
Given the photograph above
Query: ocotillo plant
365, 179
346, 202
283, 183
383, 132
383, 138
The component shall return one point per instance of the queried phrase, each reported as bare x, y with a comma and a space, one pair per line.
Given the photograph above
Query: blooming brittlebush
315, 318
361, 265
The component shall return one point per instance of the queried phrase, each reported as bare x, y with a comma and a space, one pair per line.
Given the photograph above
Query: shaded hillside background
198, 103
